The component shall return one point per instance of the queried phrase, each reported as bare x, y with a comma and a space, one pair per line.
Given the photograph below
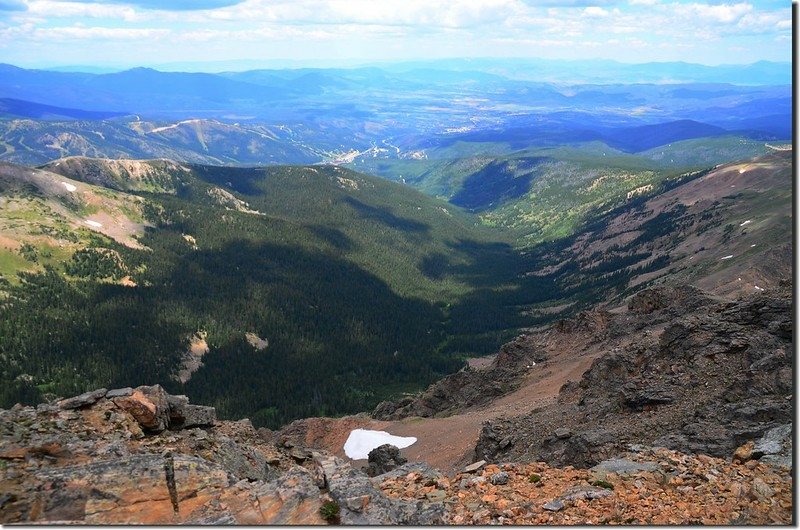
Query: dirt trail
447, 443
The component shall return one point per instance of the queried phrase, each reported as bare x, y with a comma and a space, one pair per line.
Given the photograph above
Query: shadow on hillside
385, 216
496, 183
335, 238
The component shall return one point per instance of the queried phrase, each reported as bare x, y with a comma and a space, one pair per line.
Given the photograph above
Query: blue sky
38, 33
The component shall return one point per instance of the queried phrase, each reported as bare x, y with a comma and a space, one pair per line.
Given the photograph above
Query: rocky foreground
684, 417
141, 456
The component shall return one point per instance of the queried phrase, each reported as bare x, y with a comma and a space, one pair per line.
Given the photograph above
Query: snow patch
93, 223
70, 187
757, 288
746, 222
362, 441
727, 257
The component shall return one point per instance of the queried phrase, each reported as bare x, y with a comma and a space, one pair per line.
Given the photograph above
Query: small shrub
602, 484
533, 479
329, 511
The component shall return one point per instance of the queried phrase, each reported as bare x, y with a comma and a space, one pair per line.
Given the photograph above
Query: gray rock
199, 416
239, 460
499, 479
182, 415
562, 432
775, 447
119, 392
467, 482
383, 459
83, 400
553, 506
176, 407
773, 442
585, 493
761, 490
351, 489
436, 495
474, 466
622, 466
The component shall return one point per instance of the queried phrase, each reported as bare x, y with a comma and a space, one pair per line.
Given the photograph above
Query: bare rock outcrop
383, 459
129, 456
717, 376
468, 387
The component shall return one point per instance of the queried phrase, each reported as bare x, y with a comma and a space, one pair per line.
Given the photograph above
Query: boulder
361, 503
474, 466
622, 467
383, 459
149, 405
182, 415
775, 447
499, 479
119, 392
83, 400
744, 452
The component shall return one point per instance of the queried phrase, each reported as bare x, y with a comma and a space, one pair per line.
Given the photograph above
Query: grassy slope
567, 185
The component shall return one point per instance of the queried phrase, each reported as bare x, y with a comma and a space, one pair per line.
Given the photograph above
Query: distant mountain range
409, 112
549, 70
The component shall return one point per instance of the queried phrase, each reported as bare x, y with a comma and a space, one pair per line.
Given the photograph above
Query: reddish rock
744, 452
148, 405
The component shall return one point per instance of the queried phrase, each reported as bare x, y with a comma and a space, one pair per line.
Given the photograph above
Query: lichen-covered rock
361, 503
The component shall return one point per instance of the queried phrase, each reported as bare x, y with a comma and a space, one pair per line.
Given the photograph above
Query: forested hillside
314, 290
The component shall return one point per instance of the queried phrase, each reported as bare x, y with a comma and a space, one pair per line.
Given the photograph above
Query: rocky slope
705, 381
141, 456
676, 367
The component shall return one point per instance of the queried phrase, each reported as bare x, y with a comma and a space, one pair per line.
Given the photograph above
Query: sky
209, 34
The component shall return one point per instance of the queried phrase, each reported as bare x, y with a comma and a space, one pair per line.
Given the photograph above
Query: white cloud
80, 33
721, 13
421, 28
594, 11
50, 8
434, 13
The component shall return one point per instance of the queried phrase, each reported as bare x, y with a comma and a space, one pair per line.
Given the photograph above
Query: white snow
727, 257
746, 222
70, 187
757, 288
751, 246
362, 441
93, 223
